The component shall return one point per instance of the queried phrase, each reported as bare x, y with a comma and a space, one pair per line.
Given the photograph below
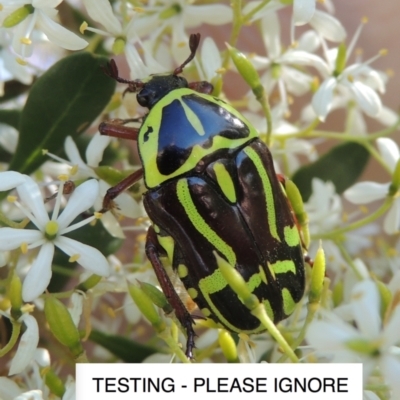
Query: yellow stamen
11, 199
51, 229
63, 177
364, 20
25, 40
383, 52
83, 27
97, 214
74, 169
27, 308
74, 258
364, 209
20, 61
44, 152
24, 247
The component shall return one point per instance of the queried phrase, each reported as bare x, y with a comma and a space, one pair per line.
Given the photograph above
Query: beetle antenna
111, 70
194, 42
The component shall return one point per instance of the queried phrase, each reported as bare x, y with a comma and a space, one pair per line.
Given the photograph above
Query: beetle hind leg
153, 249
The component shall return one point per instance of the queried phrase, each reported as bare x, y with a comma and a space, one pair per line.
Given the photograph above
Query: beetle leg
186, 320
114, 191
201, 87
117, 128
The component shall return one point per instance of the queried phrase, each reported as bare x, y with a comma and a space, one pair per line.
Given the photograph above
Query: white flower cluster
358, 319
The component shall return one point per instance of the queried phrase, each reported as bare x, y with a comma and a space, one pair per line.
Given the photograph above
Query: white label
219, 381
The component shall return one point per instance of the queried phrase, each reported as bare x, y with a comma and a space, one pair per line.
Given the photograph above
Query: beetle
211, 189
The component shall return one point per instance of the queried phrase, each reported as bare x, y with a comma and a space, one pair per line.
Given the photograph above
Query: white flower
41, 14
366, 192
368, 341
125, 204
50, 232
177, 16
124, 36
358, 82
284, 65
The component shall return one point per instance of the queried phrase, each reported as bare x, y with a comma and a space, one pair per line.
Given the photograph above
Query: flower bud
146, 307
15, 295
156, 296
53, 381
228, 345
18, 16
237, 283
62, 325
247, 70
317, 276
340, 59
89, 283
395, 186
118, 46
297, 204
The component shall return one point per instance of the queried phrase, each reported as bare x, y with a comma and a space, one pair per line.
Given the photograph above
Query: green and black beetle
211, 188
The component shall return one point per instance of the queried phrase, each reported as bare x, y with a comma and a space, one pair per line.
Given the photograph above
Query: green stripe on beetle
225, 181
200, 224
269, 198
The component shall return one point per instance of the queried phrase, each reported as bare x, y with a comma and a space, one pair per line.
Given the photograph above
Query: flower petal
10, 179
27, 345
365, 300
366, 192
271, 33
58, 34
309, 41
95, 149
322, 99
39, 275
391, 224
89, 257
112, 225
210, 57
31, 196
329, 335
387, 116
300, 57
213, 14
81, 200
102, 12
329, 27
389, 151
72, 152
11, 238
390, 368
9, 390
366, 97
391, 332
303, 10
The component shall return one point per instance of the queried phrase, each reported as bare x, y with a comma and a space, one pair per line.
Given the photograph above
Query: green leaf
10, 117
123, 348
342, 166
63, 101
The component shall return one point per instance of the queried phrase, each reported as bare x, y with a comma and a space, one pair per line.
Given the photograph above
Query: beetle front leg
114, 191
152, 251
117, 128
